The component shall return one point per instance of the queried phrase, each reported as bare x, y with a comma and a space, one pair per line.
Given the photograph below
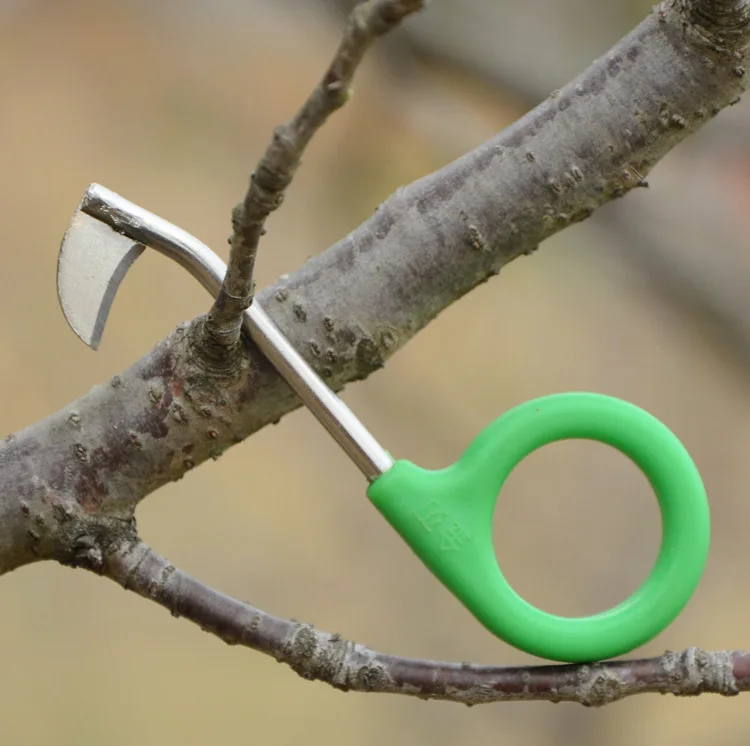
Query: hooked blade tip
92, 262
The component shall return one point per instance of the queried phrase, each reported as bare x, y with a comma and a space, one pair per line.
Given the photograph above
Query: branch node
599, 686
694, 671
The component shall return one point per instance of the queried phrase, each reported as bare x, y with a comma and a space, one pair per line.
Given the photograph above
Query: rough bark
699, 265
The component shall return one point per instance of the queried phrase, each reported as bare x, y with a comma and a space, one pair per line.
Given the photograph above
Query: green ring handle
446, 518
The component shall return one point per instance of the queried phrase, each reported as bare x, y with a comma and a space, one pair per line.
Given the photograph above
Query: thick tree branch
679, 259
345, 665
70, 484
283, 156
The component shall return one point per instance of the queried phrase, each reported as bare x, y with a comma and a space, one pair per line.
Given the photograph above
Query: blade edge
92, 263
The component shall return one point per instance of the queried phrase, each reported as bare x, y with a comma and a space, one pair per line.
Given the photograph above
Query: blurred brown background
170, 104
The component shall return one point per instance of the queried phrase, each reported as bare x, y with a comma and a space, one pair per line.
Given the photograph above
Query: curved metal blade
92, 263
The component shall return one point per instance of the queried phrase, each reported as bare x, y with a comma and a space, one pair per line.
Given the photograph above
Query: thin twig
349, 666
279, 163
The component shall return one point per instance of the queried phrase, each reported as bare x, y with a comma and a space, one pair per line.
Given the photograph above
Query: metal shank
198, 259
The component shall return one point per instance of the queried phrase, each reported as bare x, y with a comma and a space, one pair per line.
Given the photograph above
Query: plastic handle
446, 518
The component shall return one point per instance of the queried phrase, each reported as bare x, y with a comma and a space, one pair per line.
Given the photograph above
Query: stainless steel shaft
198, 259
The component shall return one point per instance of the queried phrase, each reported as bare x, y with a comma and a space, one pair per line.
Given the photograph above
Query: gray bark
697, 266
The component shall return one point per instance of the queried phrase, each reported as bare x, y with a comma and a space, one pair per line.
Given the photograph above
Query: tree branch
70, 484
681, 262
345, 665
279, 163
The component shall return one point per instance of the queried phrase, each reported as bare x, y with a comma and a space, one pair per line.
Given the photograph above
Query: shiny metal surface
108, 233
88, 275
